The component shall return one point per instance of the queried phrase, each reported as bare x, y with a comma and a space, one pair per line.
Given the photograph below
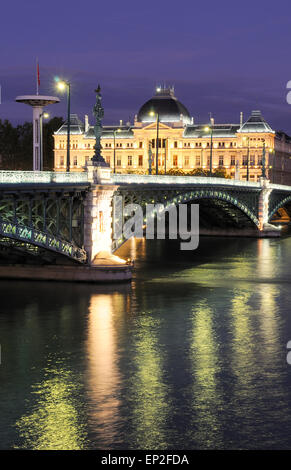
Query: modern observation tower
38, 102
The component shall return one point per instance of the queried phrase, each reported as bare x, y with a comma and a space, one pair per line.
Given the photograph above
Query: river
190, 355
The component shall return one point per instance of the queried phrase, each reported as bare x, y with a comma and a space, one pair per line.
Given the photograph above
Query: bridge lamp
210, 129
63, 85
152, 113
114, 135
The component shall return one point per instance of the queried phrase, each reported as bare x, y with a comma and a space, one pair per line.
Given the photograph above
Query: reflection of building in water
164, 122
205, 368
56, 422
147, 390
102, 368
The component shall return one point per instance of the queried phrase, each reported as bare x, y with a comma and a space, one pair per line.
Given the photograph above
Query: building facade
241, 150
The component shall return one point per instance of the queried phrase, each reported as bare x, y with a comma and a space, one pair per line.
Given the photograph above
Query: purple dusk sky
222, 56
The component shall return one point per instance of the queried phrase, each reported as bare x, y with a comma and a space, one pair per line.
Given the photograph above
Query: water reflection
147, 389
206, 428
55, 421
103, 373
191, 355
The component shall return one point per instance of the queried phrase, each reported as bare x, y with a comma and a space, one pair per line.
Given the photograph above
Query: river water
191, 355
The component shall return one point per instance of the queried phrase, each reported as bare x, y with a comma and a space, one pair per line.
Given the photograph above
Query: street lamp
65, 85
41, 117
207, 129
248, 156
114, 135
264, 160
152, 113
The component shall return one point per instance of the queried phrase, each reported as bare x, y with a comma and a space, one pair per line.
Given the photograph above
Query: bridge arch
216, 195
32, 237
280, 205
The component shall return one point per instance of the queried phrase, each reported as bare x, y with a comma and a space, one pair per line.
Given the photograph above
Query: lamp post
248, 156
152, 113
62, 85
207, 129
264, 160
114, 136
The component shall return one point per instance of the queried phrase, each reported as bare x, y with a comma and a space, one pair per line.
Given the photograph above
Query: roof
218, 130
164, 103
76, 126
256, 123
108, 133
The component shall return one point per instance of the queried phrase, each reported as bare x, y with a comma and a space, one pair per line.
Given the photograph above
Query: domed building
164, 104
164, 136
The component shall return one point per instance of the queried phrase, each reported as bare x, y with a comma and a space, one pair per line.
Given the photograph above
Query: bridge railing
173, 180
20, 177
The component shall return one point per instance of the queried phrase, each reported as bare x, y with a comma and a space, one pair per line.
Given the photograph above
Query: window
245, 160
198, 160
118, 163
62, 160
232, 160
186, 162
175, 160
140, 160
140, 145
107, 160
129, 160
75, 161
175, 144
220, 160
252, 160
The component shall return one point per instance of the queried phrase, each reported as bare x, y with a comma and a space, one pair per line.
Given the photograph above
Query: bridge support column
263, 211
98, 212
265, 227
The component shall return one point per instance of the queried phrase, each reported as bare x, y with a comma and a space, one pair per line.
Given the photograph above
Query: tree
49, 129
16, 144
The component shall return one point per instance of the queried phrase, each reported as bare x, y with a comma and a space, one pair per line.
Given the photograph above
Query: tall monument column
98, 203
37, 102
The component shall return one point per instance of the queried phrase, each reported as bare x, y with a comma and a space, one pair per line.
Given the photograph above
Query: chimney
241, 120
86, 123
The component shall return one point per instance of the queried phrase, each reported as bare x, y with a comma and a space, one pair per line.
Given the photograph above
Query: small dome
166, 104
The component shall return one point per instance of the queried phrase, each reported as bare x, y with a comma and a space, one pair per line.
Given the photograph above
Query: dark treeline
16, 144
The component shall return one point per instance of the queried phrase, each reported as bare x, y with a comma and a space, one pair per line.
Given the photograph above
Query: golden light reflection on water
104, 377
54, 422
204, 353
150, 402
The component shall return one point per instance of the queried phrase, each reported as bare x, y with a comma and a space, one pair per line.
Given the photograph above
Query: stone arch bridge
53, 217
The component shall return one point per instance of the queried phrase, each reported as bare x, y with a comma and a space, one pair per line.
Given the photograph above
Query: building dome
166, 104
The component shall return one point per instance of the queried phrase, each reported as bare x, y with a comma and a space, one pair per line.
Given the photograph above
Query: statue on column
98, 113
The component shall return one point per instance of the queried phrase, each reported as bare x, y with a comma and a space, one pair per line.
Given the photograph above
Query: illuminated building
184, 145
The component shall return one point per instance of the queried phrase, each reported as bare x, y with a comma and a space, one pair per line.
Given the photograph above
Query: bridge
57, 216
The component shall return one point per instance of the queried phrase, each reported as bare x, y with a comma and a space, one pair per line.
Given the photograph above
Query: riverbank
97, 273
